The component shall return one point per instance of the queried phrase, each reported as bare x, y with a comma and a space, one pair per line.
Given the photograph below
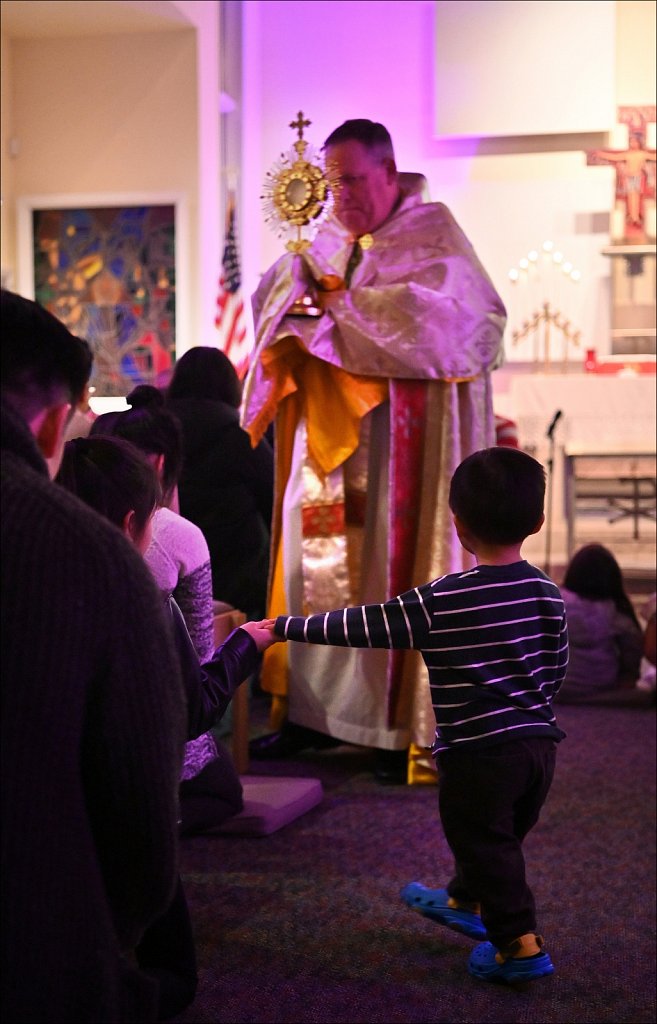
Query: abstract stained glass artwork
109, 274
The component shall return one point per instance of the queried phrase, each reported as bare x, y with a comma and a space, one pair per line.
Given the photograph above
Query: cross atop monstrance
300, 124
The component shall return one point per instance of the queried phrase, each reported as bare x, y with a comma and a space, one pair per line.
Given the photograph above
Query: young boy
495, 643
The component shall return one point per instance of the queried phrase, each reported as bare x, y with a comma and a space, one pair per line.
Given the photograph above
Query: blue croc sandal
484, 965
434, 904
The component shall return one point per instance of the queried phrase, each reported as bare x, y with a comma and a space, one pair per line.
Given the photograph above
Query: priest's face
368, 189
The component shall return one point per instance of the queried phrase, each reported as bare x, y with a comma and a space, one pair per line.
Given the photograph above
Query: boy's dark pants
489, 800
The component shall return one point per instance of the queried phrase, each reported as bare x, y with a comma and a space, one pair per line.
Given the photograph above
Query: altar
607, 426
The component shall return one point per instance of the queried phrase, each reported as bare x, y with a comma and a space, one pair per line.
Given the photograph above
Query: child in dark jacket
495, 644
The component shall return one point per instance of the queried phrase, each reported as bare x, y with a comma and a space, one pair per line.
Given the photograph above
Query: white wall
336, 60
543, 66
104, 113
120, 112
107, 115
636, 45
204, 15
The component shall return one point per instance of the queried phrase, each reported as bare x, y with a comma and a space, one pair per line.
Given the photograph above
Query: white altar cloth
606, 413
600, 409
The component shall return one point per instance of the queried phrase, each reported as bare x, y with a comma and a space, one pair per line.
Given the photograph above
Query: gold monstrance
297, 190
298, 193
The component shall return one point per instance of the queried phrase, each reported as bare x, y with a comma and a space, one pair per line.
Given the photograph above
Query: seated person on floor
606, 639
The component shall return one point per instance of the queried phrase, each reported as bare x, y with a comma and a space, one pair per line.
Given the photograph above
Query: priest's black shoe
290, 740
391, 767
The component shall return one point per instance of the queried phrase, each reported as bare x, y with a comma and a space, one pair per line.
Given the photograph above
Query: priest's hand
326, 300
330, 288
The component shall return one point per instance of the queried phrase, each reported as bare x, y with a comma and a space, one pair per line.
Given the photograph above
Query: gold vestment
380, 397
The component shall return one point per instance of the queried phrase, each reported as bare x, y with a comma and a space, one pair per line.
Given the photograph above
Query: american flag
230, 320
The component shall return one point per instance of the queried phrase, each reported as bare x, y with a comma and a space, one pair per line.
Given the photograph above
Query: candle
617, 224
619, 137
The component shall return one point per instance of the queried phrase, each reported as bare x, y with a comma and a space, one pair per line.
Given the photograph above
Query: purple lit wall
336, 60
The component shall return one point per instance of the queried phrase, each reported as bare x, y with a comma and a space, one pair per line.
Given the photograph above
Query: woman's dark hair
593, 572
112, 477
145, 396
205, 372
150, 427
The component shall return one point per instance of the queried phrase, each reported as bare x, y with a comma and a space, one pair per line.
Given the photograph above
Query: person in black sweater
226, 486
93, 715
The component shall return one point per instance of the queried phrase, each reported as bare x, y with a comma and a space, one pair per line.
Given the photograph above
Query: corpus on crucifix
635, 176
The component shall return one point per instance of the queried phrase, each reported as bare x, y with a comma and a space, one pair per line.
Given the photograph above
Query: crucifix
632, 231
635, 176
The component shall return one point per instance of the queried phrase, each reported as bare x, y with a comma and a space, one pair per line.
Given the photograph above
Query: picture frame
112, 267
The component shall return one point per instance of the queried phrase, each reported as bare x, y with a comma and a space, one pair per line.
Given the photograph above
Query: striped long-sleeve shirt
494, 640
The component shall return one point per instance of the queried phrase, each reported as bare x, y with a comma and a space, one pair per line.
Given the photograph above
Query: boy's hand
262, 633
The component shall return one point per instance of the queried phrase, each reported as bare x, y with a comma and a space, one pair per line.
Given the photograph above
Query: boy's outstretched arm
400, 623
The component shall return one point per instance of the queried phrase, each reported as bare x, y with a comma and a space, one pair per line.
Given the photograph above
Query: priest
375, 401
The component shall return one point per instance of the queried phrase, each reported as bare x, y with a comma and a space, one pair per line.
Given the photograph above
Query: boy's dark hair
111, 476
498, 494
150, 427
42, 362
594, 573
371, 134
205, 372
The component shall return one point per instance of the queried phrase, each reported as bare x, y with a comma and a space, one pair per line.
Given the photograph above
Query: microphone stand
550, 493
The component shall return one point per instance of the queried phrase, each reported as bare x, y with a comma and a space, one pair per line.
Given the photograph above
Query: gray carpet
306, 925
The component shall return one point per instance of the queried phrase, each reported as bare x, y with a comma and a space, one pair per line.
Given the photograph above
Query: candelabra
548, 317
539, 307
